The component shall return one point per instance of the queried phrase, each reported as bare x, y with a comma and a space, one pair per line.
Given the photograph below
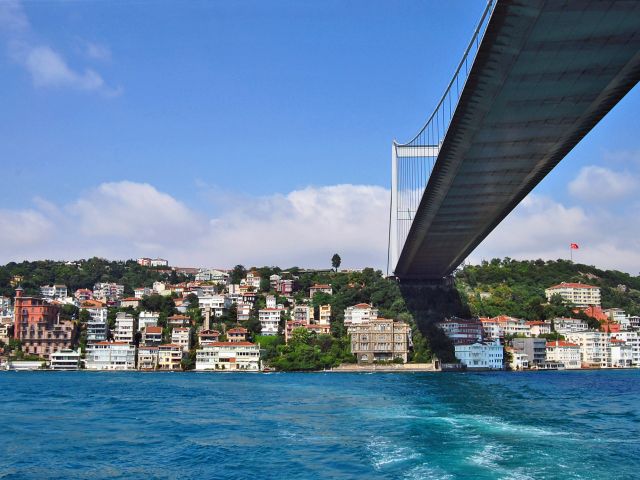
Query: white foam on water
496, 424
422, 472
384, 452
489, 456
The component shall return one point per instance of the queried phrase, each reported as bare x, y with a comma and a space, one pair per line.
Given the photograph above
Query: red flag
574, 246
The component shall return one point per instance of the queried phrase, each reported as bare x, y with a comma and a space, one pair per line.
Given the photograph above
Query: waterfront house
228, 356
566, 353
111, 356
65, 359
381, 339
170, 357
147, 358
480, 355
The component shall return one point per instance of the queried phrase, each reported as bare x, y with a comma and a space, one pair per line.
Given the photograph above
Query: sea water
130, 425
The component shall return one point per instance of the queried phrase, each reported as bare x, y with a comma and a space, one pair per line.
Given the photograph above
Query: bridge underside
545, 74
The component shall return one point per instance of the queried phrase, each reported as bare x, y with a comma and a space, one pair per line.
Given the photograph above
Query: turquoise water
252, 426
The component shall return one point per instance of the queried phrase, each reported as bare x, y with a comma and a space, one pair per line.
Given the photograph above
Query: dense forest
512, 287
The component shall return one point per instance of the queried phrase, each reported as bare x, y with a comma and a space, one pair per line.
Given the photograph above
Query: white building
519, 360
358, 314
111, 356
97, 325
142, 292
569, 325
244, 312
5, 306
621, 354
216, 303
632, 339
108, 291
159, 262
566, 353
125, 328
480, 356
539, 327
160, 288
54, 291
269, 320
181, 336
578, 294
148, 319
214, 276
235, 356
594, 347
271, 301
65, 359
320, 288
252, 280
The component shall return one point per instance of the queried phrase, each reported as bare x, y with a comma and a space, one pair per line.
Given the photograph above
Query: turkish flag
574, 246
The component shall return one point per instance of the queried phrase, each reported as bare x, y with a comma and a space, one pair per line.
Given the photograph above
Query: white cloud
541, 227
48, 68
134, 212
304, 227
127, 219
23, 228
595, 184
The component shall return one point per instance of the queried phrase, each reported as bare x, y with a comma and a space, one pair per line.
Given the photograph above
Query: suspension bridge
536, 77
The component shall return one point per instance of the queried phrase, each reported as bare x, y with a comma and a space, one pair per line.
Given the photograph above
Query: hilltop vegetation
80, 274
512, 287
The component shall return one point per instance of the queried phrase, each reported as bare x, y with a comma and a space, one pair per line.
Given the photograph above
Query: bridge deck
545, 73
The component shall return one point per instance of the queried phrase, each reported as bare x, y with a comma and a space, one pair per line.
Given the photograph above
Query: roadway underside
545, 74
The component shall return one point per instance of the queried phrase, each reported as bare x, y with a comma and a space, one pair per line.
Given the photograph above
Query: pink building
37, 325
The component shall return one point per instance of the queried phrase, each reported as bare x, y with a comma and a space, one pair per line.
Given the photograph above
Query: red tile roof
152, 329
238, 330
572, 285
362, 305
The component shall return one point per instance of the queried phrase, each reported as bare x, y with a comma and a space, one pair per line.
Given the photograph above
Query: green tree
237, 274
336, 261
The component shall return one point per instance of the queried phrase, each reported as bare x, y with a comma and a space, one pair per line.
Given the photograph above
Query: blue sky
239, 118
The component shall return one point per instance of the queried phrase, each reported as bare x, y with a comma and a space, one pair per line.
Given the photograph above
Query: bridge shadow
430, 303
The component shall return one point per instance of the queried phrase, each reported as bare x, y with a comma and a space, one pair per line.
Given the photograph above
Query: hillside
516, 288
79, 274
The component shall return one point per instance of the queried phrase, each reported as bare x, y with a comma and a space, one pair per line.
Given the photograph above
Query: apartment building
111, 356
578, 294
269, 320
125, 328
